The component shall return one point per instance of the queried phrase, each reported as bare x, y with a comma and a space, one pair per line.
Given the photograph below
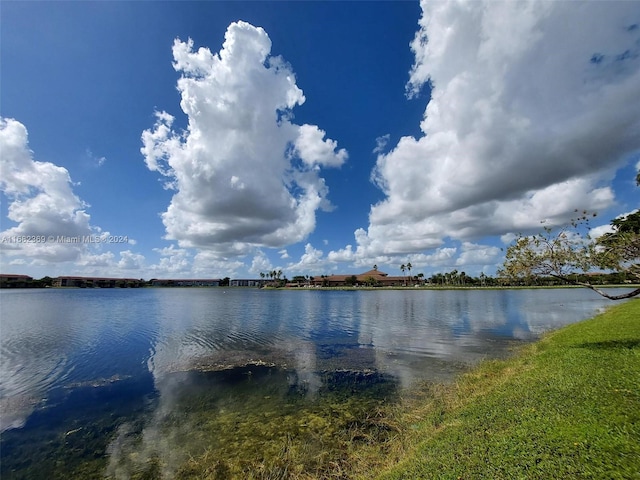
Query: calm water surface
105, 358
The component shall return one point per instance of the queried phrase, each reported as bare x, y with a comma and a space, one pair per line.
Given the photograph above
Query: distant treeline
449, 279
461, 279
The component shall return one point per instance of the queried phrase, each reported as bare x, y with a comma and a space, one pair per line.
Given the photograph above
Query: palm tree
409, 268
375, 267
403, 267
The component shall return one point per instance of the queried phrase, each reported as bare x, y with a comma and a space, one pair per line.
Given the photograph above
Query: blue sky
312, 137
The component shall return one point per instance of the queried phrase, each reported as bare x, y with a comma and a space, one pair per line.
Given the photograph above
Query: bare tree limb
622, 296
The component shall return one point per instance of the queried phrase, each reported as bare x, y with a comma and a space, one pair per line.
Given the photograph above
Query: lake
97, 382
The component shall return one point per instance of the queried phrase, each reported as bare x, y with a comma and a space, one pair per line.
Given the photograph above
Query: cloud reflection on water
410, 335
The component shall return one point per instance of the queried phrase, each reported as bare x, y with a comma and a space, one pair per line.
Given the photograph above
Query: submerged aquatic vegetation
67, 436
261, 422
253, 421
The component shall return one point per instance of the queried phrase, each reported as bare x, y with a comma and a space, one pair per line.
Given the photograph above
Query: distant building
97, 282
185, 282
244, 282
9, 280
372, 277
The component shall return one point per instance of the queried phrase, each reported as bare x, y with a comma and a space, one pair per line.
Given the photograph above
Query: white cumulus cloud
534, 106
311, 261
473, 254
41, 201
174, 262
131, 261
283, 253
245, 175
260, 263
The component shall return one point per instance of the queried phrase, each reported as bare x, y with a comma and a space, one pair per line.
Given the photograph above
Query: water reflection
171, 353
36, 350
54, 338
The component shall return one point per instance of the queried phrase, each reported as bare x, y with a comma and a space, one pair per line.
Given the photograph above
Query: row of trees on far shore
457, 279
461, 279
452, 279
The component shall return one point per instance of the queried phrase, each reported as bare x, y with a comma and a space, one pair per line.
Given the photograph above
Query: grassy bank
565, 407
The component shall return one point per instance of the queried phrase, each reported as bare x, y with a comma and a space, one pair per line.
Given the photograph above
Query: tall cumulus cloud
244, 174
534, 105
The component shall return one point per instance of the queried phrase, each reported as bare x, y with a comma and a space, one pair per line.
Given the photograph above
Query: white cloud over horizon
312, 261
42, 204
534, 106
245, 176
41, 201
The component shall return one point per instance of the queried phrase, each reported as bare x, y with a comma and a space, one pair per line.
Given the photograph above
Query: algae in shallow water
248, 422
68, 436
256, 423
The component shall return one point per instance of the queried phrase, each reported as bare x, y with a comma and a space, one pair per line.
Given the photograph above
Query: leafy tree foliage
620, 249
564, 253
352, 280
371, 281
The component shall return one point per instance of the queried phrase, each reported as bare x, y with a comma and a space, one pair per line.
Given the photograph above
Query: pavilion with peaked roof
372, 277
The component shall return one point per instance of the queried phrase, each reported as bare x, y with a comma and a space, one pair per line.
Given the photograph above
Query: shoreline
565, 406
437, 288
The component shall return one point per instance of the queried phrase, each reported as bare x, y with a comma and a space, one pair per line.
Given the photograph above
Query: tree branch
622, 296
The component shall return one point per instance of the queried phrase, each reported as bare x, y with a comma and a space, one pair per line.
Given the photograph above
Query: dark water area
132, 383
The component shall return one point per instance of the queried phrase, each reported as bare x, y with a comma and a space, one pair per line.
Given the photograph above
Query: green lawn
565, 407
